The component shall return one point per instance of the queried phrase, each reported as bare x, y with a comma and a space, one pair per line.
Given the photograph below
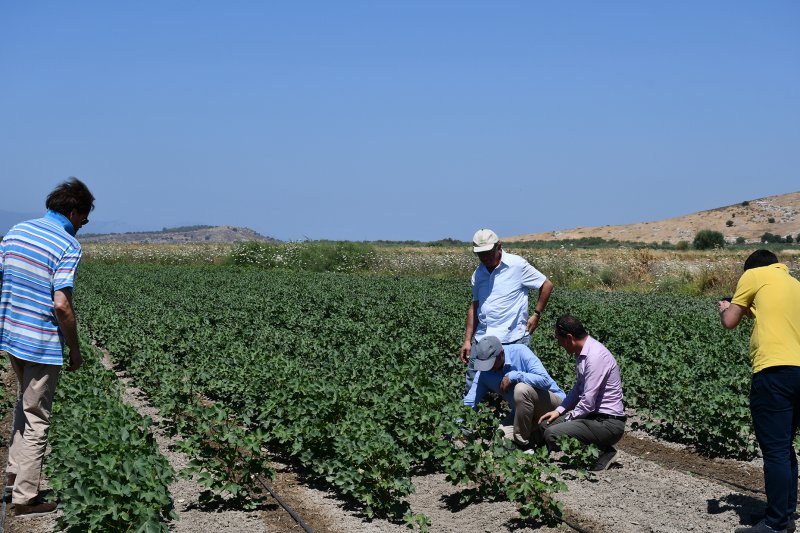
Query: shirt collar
586, 347
62, 221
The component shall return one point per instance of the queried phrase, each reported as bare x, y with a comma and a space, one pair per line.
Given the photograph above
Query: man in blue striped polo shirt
38, 260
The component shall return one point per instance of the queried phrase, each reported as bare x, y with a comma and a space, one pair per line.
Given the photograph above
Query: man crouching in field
592, 411
38, 260
514, 372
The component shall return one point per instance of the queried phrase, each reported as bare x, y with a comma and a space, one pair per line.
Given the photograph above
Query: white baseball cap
484, 240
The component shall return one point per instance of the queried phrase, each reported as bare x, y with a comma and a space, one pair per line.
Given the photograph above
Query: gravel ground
652, 487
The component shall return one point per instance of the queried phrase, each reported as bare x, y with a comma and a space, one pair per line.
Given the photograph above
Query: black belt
604, 416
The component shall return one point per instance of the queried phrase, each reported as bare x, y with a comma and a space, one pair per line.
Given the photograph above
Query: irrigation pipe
579, 529
292, 513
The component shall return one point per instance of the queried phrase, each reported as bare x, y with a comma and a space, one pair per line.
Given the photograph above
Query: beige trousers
36, 386
530, 404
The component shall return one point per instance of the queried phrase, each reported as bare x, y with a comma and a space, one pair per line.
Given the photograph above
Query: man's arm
67, 325
567, 404
476, 392
731, 314
540, 306
533, 379
469, 330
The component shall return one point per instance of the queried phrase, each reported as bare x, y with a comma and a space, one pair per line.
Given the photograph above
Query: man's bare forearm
67, 324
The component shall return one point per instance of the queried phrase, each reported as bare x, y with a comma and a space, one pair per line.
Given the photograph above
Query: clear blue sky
398, 120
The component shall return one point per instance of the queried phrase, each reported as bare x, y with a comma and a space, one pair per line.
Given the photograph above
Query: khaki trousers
530, 404
36, 386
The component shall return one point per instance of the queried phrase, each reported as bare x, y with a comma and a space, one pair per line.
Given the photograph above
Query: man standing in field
499, 306
770, 295
38, 260
514, 372
593, 411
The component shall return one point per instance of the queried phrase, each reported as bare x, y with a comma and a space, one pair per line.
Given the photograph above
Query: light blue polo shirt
37, 258
502, 297
521, 366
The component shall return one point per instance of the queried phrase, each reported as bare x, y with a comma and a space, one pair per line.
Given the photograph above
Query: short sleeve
532, 278
64, 275
746, 289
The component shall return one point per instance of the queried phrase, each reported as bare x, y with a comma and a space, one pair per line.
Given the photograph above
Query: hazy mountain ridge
749, 219
191, 234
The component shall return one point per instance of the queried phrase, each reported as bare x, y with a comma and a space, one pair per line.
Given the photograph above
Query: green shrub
771, 238
740, 240
312, 256
707, 239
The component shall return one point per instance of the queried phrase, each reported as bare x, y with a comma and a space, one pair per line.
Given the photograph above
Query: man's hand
506, 384
466, 348
532, 324
549, 416
75, 361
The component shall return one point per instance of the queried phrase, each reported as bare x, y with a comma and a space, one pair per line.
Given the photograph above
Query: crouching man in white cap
514, 372
499, 305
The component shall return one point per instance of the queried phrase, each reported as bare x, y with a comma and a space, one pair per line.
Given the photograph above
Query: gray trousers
602, 432
470, 377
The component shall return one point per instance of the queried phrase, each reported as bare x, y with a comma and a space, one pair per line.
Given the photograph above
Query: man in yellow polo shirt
770, 295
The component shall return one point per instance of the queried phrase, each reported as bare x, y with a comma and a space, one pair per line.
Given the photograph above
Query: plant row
104, 466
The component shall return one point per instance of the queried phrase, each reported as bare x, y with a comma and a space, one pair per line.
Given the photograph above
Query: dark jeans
470, 377
775, 406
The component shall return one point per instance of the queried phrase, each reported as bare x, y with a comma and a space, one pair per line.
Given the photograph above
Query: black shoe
791, 527
605, 460
35, 508
761, 527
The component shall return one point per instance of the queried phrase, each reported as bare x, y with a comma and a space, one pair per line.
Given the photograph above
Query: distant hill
187, 234
749, 219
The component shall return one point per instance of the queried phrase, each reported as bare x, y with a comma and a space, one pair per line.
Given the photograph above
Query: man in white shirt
499, 306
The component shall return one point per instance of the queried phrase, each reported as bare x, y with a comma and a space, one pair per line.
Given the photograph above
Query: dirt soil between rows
653, 487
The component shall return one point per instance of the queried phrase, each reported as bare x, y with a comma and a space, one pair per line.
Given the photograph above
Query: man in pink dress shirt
593, 411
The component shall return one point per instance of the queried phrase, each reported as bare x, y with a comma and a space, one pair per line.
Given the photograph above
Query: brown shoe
36, 508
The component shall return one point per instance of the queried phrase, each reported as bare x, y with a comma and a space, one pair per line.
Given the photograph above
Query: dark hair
568, 324
760, 258
69, 195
